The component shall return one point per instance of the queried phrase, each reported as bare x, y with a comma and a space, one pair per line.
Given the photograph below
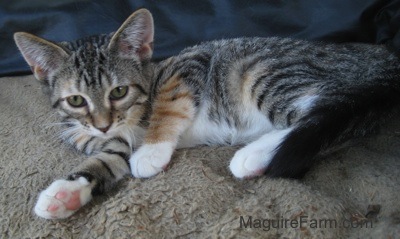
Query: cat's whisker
70, 133
132, 133
52, 120
60, 123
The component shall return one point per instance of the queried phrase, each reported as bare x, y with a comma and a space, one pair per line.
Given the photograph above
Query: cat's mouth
105, 129
102, 132
110, 131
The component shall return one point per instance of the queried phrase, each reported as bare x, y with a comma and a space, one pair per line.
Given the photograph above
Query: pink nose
105, 129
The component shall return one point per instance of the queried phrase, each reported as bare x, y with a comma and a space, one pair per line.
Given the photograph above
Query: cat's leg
253, 159
173, 111
95, 175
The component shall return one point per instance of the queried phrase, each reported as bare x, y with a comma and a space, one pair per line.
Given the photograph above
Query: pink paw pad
63, 198
53, 208
61, 195
74, 202
71, 201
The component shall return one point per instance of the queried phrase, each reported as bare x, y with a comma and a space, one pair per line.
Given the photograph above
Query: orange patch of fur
248, 80
173, 108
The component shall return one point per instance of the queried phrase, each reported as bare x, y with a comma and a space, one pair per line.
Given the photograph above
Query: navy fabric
186, 22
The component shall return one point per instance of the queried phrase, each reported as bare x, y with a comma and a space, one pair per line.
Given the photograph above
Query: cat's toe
63, 198
150, 159
248, 164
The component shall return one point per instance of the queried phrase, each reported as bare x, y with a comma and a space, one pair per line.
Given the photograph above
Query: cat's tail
353, 113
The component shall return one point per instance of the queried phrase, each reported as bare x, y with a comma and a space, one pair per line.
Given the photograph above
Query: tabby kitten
286, 99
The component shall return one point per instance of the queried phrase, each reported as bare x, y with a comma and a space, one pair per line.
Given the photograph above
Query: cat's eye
118, 92
76, 101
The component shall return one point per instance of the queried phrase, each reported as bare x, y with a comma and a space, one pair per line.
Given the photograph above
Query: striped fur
286, 99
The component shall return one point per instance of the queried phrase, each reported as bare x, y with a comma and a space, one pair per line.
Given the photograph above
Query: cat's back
234, 59
276, 48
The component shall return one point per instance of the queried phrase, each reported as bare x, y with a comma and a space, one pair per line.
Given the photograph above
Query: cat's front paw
249, 162
150, 159
62, 198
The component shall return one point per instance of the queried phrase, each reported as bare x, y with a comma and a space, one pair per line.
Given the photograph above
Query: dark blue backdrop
187, 22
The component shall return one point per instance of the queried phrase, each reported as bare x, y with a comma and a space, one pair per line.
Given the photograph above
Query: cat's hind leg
253, 159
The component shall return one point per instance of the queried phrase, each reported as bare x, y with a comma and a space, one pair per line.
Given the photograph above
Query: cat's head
98, 84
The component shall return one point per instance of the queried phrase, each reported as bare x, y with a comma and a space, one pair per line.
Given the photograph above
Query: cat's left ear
42, 56
135, 36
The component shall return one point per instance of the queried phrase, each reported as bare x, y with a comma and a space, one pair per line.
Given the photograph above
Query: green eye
76, 101
118, 92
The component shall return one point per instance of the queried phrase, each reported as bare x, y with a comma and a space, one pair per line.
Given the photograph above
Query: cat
285, 99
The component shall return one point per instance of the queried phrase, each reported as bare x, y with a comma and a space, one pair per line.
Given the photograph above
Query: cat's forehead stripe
89, 59
99, 41
90, 63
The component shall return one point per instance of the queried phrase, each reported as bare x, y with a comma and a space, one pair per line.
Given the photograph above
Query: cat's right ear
42, 56
135, 37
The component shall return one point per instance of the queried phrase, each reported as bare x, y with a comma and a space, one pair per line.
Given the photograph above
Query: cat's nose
105, 129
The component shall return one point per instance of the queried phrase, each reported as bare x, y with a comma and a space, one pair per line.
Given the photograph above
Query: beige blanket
353, 192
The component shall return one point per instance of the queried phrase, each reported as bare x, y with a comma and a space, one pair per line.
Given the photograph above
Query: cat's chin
102, 135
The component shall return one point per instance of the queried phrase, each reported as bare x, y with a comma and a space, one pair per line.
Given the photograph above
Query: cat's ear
135, 36
42, 56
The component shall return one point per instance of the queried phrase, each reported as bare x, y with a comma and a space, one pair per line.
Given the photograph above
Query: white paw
150, 159
62, 198
253, 159
250, 162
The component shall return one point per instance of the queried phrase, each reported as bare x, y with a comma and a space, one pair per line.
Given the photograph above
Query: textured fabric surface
196, 197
